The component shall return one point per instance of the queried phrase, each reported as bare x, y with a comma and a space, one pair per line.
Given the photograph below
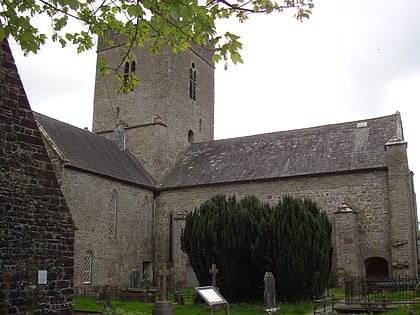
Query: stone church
151, 157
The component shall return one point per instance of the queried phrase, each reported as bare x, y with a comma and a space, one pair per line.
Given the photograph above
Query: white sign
210, 295
42, 276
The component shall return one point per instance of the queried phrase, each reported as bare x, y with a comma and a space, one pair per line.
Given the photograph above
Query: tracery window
193, 82
113, 214
87, 268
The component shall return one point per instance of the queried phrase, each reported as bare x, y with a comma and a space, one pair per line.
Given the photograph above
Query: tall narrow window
113, 214
145, 217
126, 71
193, 82
129, 68
87, 268
171, 238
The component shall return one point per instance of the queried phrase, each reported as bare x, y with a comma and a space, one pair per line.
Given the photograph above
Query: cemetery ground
87, 303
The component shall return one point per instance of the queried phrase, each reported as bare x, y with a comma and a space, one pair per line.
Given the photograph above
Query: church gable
92, 153
334, 148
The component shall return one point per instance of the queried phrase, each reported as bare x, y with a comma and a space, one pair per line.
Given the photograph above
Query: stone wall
36, 229
113, 258
365, 192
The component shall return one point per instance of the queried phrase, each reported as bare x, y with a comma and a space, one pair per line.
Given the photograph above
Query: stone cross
164, 273
269, 291
213, 271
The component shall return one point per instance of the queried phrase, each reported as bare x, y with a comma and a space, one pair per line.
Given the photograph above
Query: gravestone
178, 297
135, 279
213, 271
145, 282
163, 307
270, 293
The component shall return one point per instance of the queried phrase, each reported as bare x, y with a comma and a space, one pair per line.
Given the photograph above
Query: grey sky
353, 59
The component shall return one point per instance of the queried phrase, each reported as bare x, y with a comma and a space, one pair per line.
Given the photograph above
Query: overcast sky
353, 59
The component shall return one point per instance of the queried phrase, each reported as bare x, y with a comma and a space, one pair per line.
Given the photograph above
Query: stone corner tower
171, 107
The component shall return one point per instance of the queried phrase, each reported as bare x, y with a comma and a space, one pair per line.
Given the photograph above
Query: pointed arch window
129, 68
193, 82
145, 218
113, 214
87, 268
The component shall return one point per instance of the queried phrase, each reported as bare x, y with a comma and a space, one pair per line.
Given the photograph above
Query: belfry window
87, 268
129, 68
113, 214
193, 82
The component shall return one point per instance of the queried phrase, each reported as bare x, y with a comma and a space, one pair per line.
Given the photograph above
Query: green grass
190, 308
134, 308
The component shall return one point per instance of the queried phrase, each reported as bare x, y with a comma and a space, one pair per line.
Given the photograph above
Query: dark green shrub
245, 239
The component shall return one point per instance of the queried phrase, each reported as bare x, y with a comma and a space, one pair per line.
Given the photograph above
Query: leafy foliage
176, 23
245, 239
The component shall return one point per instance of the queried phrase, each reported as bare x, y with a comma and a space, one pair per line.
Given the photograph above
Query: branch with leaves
177, 23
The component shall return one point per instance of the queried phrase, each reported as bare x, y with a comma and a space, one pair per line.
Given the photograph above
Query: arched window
190, 136
113, 214
193, 82
129, 68
87, 268
145, 218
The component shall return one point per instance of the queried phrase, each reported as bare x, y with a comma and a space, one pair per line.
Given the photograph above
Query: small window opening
190, 136
193, 82
126, 71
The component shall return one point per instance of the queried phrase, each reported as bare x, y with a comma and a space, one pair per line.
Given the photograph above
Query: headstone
163, 307
145, 282
270, 292
213, 271
108, 297
178, 297
135, 279
163, 273
170, 283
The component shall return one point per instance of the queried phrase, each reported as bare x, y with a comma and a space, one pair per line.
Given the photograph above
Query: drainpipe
155, 195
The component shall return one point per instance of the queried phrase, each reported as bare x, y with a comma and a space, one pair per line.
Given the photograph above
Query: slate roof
334, 148
90, 152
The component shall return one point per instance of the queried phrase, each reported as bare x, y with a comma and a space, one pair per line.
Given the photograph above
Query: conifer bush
247, 238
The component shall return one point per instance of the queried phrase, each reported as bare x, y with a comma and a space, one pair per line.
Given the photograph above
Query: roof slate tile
90, 152
334, 148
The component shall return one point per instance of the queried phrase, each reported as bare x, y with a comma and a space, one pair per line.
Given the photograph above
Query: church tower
171, 107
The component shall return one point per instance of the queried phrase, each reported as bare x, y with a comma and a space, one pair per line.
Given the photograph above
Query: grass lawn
140, 308
190, 308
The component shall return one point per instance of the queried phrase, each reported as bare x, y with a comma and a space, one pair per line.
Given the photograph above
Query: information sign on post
213, 298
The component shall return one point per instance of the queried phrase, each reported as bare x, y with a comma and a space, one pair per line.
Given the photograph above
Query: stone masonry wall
36, 229
158, 114
366, 193
88, 197
402, 209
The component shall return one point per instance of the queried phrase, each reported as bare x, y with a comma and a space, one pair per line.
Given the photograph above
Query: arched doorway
376, 267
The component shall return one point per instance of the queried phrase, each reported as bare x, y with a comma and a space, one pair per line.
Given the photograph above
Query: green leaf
135, 10
3, 33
